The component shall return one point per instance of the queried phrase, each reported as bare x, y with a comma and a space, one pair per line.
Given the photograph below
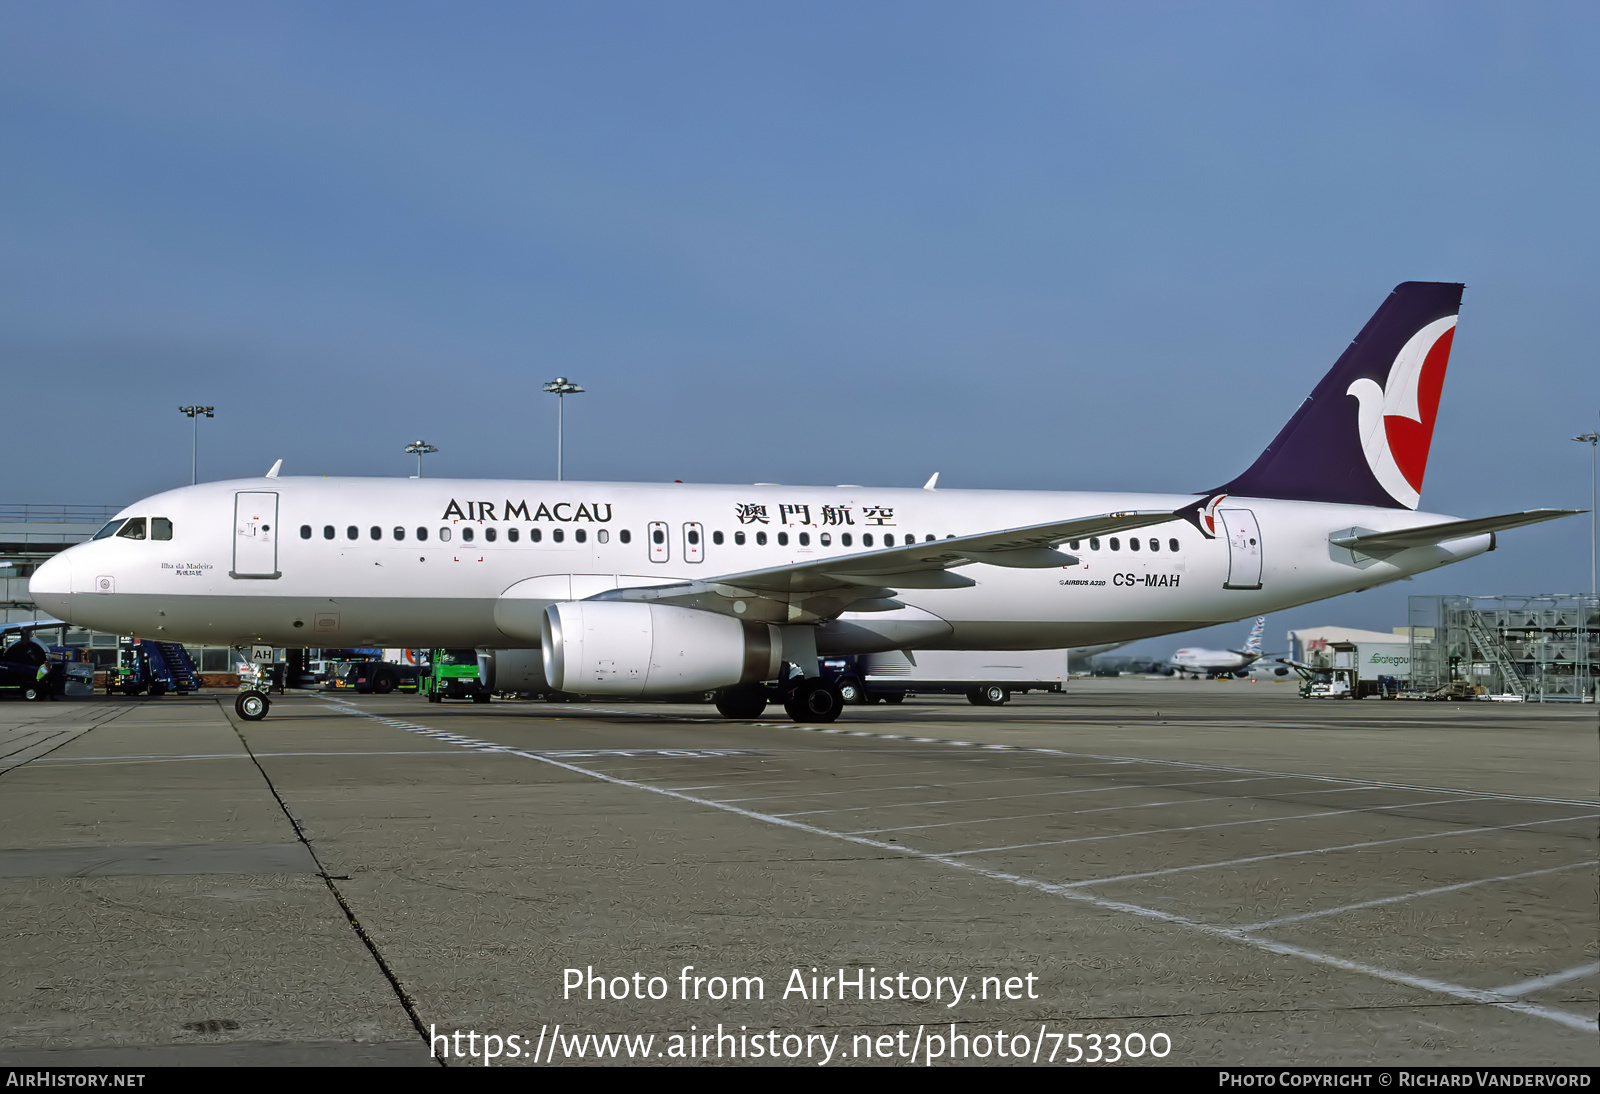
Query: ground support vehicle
380, 677
154, 667
453, 674
985, 677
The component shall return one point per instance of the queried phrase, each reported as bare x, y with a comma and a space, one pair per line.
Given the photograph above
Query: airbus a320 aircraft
648, 590
1218, 663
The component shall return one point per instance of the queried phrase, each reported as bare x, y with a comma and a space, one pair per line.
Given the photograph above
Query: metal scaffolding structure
1542, 649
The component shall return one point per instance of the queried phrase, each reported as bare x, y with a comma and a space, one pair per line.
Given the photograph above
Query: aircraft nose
51, 587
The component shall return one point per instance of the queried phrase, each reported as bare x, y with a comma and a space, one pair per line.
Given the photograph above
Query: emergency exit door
255, 534
1244, 549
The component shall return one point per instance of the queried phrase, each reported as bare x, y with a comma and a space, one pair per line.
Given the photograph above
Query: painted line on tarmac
1421, 893
1539, 983
1231, 934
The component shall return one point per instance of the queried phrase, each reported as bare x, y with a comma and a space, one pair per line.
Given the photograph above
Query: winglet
932, 483
274, 472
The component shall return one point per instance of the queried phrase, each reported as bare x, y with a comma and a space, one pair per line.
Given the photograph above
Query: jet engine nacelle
602, 647
512, 670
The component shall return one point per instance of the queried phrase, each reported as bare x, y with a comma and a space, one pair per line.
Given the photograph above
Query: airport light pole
561, 387
194, 413
420, 449
1593, 439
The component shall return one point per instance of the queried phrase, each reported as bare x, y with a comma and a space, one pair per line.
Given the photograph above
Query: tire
896, 697
480, 698
994, 695
433, 697
975, 697
746, 702
814, 701
158, 690
252, 706
32, 692
851, 691
383, 683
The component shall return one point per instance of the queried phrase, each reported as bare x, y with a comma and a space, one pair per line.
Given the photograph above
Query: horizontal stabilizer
1430, 534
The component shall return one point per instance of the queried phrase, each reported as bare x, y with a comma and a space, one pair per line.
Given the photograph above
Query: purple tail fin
1362, 437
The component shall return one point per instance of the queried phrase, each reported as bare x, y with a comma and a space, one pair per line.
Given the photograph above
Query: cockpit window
160, 528
110, 529
133, 529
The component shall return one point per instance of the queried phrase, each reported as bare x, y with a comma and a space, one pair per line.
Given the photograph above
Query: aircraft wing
867, 579
1430, 534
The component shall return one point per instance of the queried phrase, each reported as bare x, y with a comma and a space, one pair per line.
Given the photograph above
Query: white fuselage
434, 562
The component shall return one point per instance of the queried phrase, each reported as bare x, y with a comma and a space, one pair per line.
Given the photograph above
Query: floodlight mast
1593, 439
194, 413
420, 449
561, 387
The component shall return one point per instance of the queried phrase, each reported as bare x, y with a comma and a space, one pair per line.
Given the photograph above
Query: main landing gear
813, 700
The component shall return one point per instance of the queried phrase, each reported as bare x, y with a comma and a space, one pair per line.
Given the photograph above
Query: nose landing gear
252, 705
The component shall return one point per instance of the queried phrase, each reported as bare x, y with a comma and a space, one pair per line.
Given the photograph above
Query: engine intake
599, 647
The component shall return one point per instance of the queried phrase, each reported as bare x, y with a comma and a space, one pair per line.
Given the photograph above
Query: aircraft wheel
748, 702
814, 701
252, 706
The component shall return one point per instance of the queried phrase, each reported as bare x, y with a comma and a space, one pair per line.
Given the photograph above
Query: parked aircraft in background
1198, 662
662, 589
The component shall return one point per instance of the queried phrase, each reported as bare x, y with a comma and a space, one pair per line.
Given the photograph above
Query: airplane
1220, 663
640, 590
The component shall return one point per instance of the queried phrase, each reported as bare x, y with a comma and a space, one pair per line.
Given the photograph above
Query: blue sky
1025, 245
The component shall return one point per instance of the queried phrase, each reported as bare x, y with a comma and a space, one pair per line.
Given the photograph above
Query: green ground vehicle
452, 674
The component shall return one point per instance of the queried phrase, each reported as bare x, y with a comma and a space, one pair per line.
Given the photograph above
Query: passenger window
489, 534
1133, 543
825, 539
783, 539
888, 539
1073, 545
535, 535
399, 533
761, 539
305, 532
1155, 544
352, 532
466, 535
513, 535
866, 539
694, 537
1116, 544
327, 531
444, 535
109, 530
624, 536
716, 537
558, 534
422, 534
160, 528
134, 529
805, 539
605, 537
844, 538
580, 534
927, 539
1094, 544
658, 537
738, 537
376, 532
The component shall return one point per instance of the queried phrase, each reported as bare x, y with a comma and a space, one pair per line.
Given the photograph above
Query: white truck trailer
985, 677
